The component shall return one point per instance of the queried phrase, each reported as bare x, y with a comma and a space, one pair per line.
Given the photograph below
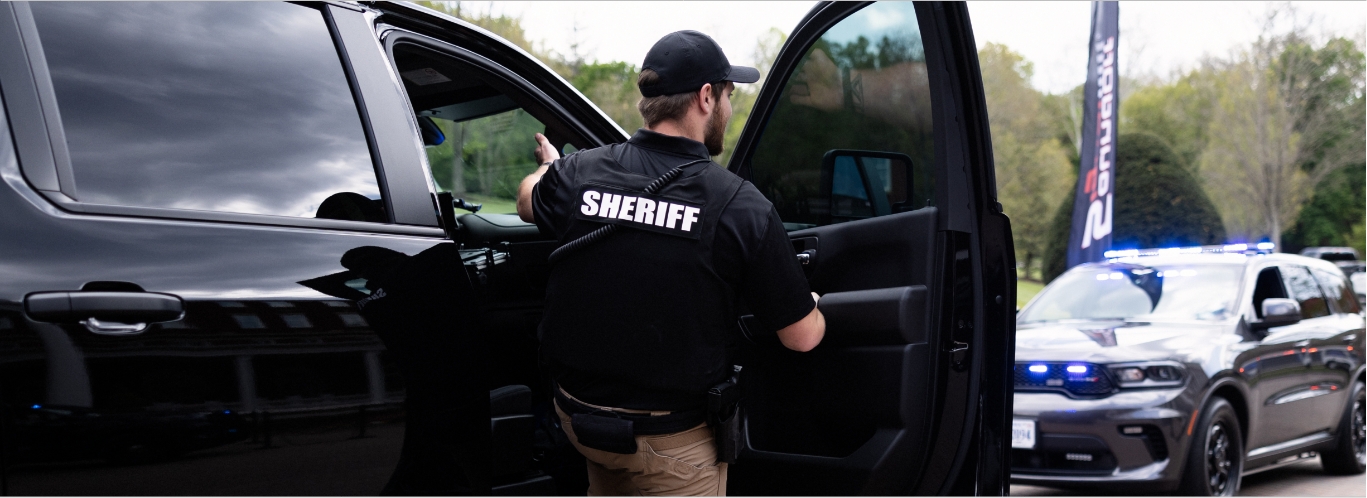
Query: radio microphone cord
605, 230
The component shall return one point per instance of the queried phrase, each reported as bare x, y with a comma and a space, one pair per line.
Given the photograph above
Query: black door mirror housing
863, 184
1278, 311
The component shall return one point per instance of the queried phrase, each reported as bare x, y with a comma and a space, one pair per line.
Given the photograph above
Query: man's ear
705, 101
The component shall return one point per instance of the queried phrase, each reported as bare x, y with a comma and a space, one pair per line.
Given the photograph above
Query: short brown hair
667, 107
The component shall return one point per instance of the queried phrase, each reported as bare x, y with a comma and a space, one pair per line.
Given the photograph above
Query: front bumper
1083, 442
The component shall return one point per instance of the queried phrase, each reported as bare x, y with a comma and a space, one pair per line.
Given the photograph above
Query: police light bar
1259, 248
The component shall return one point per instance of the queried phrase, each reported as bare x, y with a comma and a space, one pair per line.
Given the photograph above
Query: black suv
195, 198
1187, 368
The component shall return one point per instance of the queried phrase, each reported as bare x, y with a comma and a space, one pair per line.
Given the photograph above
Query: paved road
1299, 479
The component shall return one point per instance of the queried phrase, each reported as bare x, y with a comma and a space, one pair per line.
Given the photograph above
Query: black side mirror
1278, 311
862, 184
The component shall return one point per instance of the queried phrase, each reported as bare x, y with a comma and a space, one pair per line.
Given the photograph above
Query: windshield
1135, 292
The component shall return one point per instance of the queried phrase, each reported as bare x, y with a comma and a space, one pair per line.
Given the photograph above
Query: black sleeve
774, 286
552, 197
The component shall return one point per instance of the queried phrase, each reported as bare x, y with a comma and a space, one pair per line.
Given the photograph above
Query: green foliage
1158, 203
1177, 112
1060, 226
612, 86
1330, 78
495, 154
1288, 112
1333, 213
1032, 164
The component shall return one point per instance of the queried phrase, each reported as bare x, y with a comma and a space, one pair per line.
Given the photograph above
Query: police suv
1184, 369
198, 202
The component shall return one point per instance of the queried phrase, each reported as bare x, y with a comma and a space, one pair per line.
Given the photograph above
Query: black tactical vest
644, 306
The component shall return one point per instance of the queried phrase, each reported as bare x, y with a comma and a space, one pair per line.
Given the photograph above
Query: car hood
1111, 341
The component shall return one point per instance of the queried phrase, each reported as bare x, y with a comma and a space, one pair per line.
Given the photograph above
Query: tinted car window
862, 86
236, 107
1305, 290
1338, 290
475, 132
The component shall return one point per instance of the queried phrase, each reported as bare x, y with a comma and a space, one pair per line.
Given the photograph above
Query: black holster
723, 415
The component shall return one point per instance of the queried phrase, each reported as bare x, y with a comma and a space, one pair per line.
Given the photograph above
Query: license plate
1022, 433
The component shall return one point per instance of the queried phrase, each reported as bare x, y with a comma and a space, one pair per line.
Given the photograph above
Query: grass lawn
1026, 290
492, 205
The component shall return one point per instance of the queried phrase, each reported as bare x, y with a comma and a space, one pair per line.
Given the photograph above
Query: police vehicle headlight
1149, 374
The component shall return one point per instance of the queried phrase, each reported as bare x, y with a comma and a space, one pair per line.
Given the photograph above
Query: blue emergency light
1259, 248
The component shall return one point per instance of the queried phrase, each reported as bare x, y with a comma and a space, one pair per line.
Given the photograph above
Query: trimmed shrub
1336, 207
1158, 203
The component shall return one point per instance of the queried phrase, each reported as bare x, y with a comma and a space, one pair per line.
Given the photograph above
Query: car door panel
853, 415
265, 386
862, 391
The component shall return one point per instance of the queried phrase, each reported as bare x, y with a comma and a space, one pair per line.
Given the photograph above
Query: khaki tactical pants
679, 464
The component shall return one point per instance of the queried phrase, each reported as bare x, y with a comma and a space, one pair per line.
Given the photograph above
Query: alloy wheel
1359, 431
1218, 464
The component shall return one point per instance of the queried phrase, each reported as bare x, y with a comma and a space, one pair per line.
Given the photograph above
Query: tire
1347, 457
1215, 455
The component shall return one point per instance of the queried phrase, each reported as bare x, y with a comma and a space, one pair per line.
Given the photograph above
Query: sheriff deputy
639, 324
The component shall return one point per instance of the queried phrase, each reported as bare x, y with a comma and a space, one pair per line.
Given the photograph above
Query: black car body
182, 183
1155, 340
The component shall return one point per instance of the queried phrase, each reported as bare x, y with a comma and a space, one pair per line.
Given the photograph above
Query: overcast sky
1155, 37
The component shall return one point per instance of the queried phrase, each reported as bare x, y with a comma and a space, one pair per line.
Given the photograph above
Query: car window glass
1134, 292
478, 138
236, 107
1338, 290
493, 157
1306, 291
862, 86
1268, 286
849, 196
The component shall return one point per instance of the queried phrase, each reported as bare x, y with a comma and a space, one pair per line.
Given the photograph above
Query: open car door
870, 137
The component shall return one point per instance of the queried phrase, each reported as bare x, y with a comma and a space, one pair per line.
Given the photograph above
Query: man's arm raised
545, 155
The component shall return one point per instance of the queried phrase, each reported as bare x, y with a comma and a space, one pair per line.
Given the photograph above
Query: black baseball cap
687, 60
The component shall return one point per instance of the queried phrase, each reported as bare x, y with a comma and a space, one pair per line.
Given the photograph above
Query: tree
743, 98
612, 86
1032, 165
1158, 203
1288, 115
1178, 112
1334, 215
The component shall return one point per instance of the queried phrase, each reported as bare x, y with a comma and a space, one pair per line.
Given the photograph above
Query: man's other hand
806, 333
545, 154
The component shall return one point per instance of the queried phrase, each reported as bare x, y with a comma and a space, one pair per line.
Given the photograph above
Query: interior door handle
104, 312
805, 257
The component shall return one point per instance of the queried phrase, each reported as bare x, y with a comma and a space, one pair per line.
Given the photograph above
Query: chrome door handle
104, 312
113, 328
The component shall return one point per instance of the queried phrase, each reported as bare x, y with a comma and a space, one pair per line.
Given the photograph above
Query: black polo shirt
751, 253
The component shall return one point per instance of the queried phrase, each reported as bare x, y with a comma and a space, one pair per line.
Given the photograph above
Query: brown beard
716, 131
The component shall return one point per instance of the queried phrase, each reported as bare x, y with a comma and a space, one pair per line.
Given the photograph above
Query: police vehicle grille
1094, 382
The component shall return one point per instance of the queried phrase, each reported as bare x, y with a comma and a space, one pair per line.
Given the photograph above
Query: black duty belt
644, 424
